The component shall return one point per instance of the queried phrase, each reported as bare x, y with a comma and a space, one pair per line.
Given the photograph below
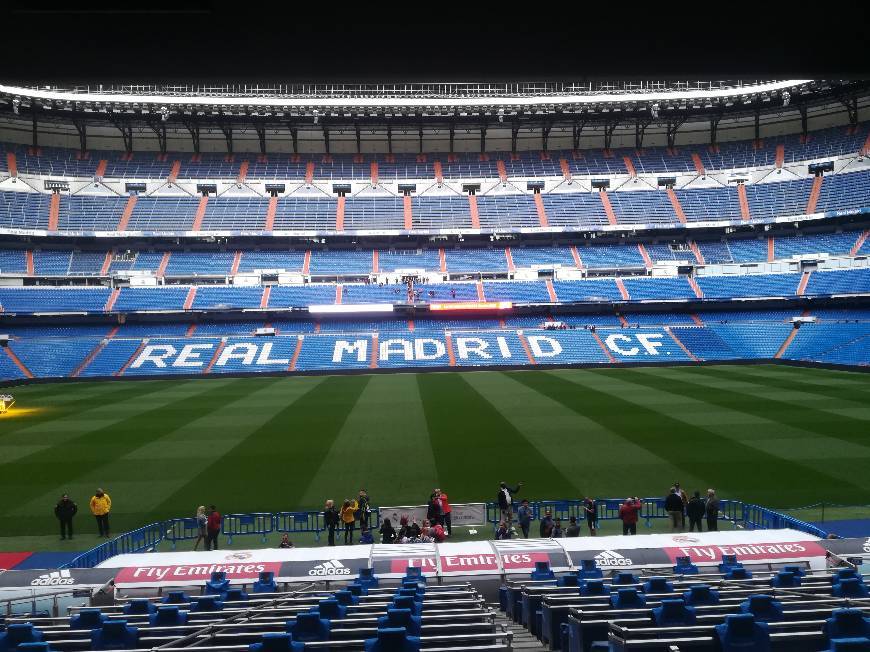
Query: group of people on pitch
66, 509
677, 505
351, 511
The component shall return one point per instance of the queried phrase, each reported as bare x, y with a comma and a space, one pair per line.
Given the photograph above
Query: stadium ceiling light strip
455, 102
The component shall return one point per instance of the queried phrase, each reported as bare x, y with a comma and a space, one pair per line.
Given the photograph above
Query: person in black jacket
674, 508
695, 512
388, 534
65, 510
434, 511
712, 511
505, 499
330, 520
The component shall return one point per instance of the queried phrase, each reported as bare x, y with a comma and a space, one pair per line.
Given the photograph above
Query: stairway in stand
522, 639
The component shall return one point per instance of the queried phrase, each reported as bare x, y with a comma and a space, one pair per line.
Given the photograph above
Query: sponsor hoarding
84, 577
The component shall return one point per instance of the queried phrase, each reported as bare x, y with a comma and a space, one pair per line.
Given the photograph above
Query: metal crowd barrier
147, 538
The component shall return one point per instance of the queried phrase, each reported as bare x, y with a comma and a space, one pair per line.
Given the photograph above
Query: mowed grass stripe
819, 375
386, 426
735, 469
272, 465
580, 448
476, 446
151, 472
686, 381
62, 402
838, 391
92, 448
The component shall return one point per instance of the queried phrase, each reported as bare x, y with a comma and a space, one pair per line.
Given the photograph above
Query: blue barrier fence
742, 515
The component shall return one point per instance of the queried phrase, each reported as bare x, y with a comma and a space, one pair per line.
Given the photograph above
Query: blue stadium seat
357, 589
699, 594
34, 647
18, 633
415, 573
265, 583
393, 639
277, 642
207, 603
674, 613
234, 595
542, 571
658, 585
785, 579
796, 569
684, 565
624, 577
627, 599
409, 592
850, 588
861, 644
115, 635
401, 618
367, 577
763, 607
847, 623
594, 587
87, 619
741, 633
308, 627
727, 562
738, 573
176, 597
589, 569
168, 616
330, 609
140, 606
407, 602
346, 597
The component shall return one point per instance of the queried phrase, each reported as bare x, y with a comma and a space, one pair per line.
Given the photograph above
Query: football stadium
353, 366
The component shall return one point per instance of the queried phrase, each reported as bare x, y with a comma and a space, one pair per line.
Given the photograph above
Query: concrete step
522, 639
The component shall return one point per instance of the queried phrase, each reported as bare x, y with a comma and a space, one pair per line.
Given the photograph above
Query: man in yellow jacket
101, 505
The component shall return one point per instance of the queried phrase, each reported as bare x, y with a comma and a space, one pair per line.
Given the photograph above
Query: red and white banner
182, 573
747, 552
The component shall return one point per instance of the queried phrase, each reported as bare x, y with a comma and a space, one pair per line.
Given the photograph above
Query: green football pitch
776, 435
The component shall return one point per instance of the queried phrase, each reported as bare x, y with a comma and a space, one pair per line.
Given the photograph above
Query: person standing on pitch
685, 499
348, 510
101, 505
364, 510
674, 508
446, 510
505, 500
65, 510
524, 517
330, 520
201, 524
629, 513
591, 511
213, 528
695, 510
712, 510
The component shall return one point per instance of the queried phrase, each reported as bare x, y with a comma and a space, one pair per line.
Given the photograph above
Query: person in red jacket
213, 528
628, 513
445, 511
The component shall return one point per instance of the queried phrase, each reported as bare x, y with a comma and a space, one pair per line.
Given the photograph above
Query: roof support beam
82, 127
193, 129
609, 128
576, 130
639, 132
482, 138
452, 136
294, 136
34, 127
358, 138
261, 135
803, 109
227, 129
851, 104
420, 138
673, 127
158, 126
545, 135
714, 129
515, 130
126, 129
389, 139
325, 138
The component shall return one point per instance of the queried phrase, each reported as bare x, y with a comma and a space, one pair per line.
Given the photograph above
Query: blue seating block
741, 632
674, 613
763, 607
393, 639
115, 635
308, 627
